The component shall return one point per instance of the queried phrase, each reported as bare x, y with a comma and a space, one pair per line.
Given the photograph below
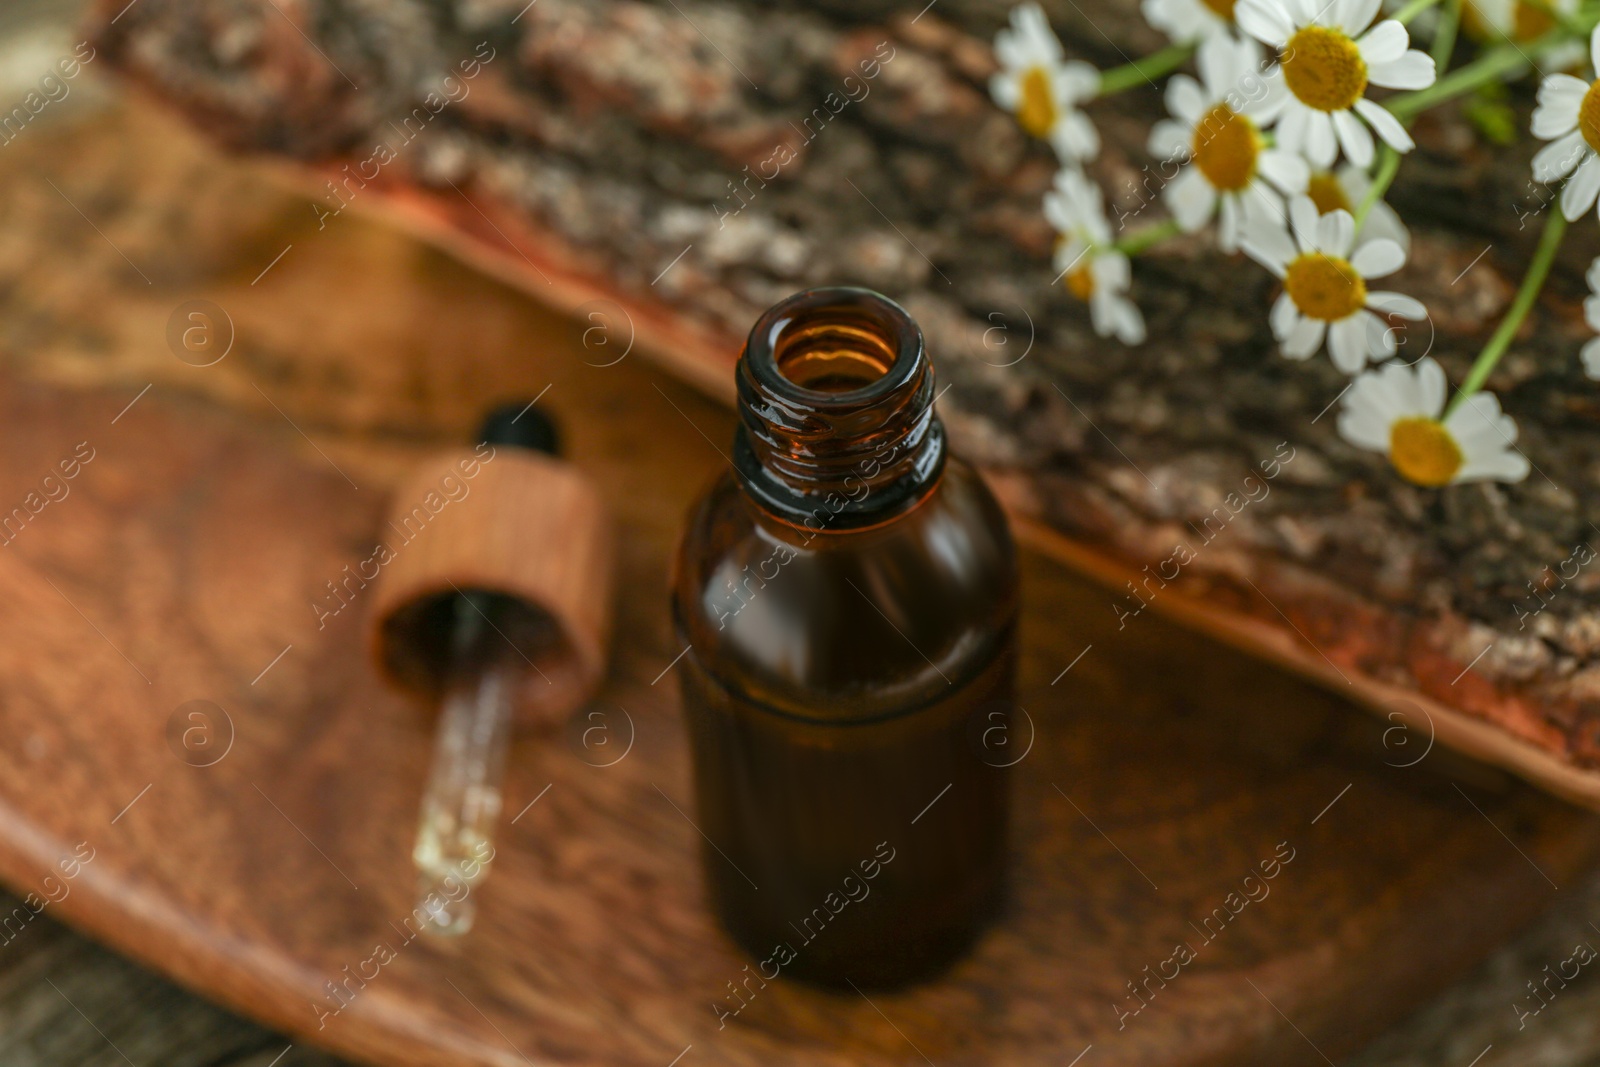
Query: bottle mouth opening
835, 347
836, 420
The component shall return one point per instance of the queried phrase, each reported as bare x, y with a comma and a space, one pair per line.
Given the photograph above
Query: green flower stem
1444, 35
1143, 240
1491, 65
1142, 71
1412, 10
1388, 167
1555, 228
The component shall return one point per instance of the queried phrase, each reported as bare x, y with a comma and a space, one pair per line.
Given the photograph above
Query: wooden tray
1163, 770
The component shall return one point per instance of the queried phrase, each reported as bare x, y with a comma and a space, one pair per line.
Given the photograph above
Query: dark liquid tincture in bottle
848, 594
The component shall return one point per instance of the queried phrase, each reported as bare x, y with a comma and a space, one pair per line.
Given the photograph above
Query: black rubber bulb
522, 425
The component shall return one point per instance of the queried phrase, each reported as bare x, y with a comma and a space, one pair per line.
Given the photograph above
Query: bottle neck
836, 422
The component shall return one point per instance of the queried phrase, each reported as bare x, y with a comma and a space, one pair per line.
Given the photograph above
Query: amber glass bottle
848, 594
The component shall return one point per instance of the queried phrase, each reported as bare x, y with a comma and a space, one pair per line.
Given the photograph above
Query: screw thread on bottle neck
837, 426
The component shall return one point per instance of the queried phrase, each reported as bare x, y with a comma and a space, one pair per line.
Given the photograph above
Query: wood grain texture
1193, 761
504, 520
186, 558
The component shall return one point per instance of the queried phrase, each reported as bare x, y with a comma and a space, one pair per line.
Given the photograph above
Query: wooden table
75, 238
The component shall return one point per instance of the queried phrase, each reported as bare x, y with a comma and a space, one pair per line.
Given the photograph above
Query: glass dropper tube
491, 642
462, 801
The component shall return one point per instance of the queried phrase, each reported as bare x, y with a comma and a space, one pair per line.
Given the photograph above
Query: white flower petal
1382, 341
1182, 20
1560, 97
1388, 127
1336, 232
1170, 139
1386, 43
1558, 158
1285, 317
1372, 404
1591, 359
1594, 48
1112, 272
1012, 51
1431, 387
1264, 94
1508, 466
1320, 145
1382, 222
1185, 99
1592, 276
1580, 191
1074, 138
1006, 91
1129, 321
1414, 70
1070, 254
1358, 15
1228, 224
1191, 199
1269, 246
1304, 222
1591, 311
1306, 339
1033, 26
1362, 427
1378, 258
1286, 170
1393, 303
1353, 137
1479, 425
1487, 439
1260, 205
1264, 20
1347, 344
1216, 64
1292, 126
1077, 81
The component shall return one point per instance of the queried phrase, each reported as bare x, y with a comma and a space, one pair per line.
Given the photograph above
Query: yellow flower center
1080, 281
1423, 451
1037, 112
1324, 68
1326, 192
1589, 116
1531, 22
1324, 287
1226, 145
1528, 21
1222, 8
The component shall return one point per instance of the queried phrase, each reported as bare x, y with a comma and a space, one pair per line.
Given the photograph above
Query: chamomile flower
1344, 190
1190, 20
1591, 314
1397, 410
1043, 90
1217, 127
1325, 292
1517, 20
1329, 59
1087, 259
1568, 116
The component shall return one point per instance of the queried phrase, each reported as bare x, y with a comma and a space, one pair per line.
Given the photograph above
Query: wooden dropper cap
519, 532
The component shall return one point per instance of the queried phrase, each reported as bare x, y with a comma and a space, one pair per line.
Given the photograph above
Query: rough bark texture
622, 129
